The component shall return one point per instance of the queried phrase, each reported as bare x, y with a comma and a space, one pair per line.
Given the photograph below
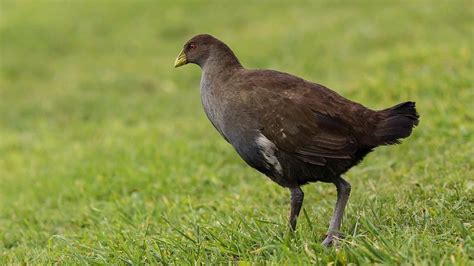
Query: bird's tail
396, 123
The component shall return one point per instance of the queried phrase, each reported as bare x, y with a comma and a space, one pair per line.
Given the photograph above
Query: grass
106, 156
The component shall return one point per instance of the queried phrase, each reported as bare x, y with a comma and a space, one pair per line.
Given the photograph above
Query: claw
328, 241
331, 240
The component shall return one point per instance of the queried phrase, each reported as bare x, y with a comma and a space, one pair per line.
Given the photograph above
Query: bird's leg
343, 192
297, 197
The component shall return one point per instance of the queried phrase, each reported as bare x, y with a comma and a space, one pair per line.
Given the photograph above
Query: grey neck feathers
221, 60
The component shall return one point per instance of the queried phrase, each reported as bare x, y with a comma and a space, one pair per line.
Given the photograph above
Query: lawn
106, 156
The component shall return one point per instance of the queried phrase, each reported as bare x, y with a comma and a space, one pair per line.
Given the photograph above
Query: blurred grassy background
106, 155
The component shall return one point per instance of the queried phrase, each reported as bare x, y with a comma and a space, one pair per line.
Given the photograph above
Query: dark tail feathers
396, 123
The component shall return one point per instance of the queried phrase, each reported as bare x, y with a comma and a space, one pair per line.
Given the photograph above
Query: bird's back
269, 93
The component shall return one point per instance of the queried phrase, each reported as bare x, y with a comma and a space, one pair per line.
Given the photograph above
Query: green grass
106, 155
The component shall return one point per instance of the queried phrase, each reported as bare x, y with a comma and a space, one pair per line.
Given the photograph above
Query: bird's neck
223, 61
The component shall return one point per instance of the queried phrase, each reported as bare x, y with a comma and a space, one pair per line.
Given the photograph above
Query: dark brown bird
292, 130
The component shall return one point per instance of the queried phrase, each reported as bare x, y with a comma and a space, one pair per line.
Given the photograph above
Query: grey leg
297, 197
343, 192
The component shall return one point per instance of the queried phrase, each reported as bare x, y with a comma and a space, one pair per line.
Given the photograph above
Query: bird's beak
181, 59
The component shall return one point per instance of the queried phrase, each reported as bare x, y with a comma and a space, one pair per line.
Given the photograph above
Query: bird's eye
192, 46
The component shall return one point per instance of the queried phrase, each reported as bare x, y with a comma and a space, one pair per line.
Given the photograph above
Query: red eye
192, 46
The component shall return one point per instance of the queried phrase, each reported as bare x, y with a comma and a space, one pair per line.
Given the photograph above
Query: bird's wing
312, 129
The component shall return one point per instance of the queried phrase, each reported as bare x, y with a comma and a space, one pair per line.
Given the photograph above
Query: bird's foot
331, 240
292, 225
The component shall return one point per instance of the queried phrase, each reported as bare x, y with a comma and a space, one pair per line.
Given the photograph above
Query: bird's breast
214, 104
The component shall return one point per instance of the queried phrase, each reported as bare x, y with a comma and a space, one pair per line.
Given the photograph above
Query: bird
292, 130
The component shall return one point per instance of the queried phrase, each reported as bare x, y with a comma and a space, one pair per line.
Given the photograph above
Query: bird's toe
328, 241
331, 240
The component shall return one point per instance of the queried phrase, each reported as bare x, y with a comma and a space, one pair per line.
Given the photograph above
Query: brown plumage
292, 130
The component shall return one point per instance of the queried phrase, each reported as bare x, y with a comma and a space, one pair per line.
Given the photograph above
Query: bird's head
200, 48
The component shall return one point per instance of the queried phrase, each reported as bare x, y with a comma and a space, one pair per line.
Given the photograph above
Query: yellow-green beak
181, 59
